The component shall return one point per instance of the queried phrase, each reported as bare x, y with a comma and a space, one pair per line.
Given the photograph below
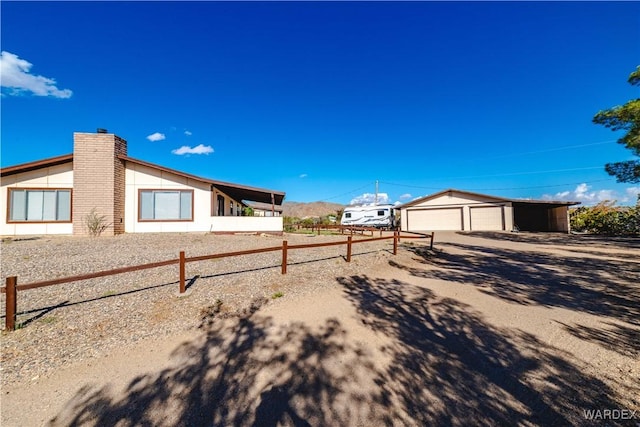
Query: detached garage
459, 210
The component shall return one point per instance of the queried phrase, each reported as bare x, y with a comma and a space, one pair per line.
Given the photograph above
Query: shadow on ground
604, 287
447, 366
452, 368
544, 238
607, 286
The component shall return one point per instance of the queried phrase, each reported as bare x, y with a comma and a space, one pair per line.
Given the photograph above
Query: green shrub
606, 218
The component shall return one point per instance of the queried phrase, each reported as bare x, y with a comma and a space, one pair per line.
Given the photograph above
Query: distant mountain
313, 209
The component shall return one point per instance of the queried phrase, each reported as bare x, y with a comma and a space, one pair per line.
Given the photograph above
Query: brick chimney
98, 180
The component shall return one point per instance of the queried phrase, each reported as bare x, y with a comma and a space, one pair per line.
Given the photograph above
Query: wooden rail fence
348, 229
11, 287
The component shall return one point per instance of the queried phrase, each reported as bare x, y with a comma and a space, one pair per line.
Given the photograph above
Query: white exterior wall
137, 177
140, 177
457, 200
59, 177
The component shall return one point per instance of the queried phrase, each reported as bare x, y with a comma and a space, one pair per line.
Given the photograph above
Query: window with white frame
166, 205
39, 205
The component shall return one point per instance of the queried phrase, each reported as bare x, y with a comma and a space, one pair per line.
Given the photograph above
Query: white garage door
434, 219
487, 218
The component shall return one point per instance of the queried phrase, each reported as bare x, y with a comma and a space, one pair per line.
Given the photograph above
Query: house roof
39, 164
486, 196
235, 191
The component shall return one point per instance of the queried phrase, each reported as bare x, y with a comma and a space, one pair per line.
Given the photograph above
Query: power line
488, 176
566, 147
468, 189
518, 173
525, 173
499, 189
346, 194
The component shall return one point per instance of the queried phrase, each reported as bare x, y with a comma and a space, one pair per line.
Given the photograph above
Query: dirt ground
486, 329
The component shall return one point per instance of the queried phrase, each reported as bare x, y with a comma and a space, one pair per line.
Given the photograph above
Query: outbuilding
459, 210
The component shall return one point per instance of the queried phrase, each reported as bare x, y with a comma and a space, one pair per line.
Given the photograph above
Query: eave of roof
236, 191
544, 202
262, 206
448, 190
38, 164
487, 196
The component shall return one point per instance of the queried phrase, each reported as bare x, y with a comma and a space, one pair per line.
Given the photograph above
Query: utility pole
376, 192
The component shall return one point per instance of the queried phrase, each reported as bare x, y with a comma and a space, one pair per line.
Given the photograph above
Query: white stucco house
55, 195
459, 210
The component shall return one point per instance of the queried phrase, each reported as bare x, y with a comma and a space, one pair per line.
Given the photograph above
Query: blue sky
323, 99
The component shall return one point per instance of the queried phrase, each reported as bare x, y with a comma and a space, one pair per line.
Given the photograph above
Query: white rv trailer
380, 216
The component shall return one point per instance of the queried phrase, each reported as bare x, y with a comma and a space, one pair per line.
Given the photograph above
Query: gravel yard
85, 319
484, 329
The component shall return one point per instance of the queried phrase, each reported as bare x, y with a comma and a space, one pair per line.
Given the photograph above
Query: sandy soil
486, 329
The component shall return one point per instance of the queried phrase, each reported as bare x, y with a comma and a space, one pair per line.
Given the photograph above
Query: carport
541, 216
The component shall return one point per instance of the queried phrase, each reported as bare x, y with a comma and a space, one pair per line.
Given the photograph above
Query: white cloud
303, 175
198, 149
156, 137
405, 196
188, 132
369, 198
632, 194
17, 79
584, 194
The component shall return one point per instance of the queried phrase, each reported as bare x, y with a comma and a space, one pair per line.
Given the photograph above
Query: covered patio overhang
536, 215
251, 194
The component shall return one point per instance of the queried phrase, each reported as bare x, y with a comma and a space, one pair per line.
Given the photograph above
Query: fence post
349, 239
11, 303
284, 257
431, 246
395, 242
182, 273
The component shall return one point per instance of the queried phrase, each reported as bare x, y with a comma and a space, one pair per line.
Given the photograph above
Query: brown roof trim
164, 169
545, 202
486, 196
278, 195
263, 206
448, 190
38, 164
239, 191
